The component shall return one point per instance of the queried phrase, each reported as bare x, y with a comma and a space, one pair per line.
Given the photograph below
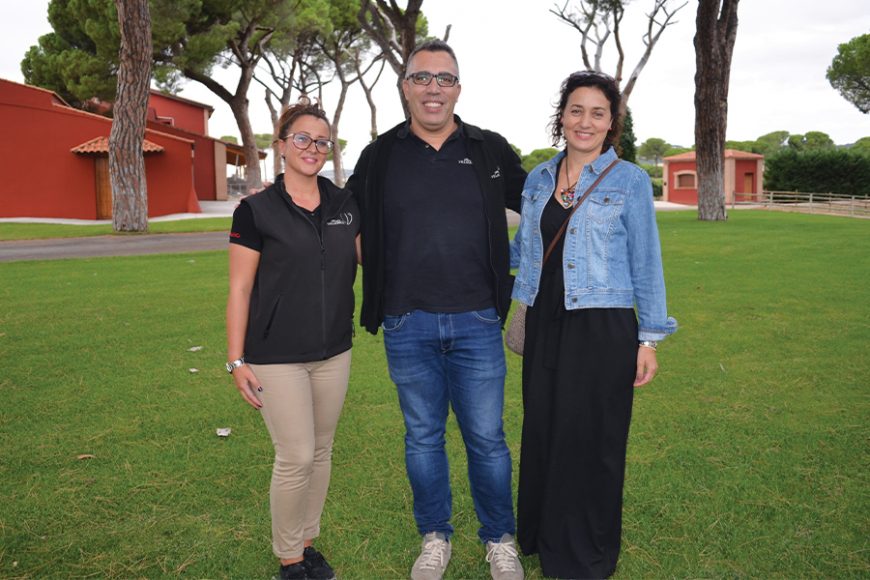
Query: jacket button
574, 300
573, 230
570, 266
606, 200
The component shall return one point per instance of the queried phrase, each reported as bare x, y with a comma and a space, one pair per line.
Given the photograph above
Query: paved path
100, 246
133, 244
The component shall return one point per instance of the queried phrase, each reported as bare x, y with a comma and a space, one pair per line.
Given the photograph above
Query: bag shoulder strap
562, 229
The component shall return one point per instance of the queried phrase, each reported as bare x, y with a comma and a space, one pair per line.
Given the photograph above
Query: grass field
748, 454
33, 231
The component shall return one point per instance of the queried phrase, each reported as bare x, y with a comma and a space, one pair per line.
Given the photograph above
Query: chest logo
496, 174
343, 219
465, 161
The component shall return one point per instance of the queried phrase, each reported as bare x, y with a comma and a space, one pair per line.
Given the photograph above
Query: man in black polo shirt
432, 193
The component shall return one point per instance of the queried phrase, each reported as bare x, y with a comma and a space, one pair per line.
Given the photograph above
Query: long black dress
578, 370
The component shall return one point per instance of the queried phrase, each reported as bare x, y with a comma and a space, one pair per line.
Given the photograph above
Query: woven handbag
515, 335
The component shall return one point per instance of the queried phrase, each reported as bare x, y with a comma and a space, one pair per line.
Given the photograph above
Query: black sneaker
316, 567
292, 572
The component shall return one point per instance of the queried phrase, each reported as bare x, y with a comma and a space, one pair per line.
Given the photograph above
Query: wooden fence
798, 201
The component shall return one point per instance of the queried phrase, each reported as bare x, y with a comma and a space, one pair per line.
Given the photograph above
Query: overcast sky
513, 54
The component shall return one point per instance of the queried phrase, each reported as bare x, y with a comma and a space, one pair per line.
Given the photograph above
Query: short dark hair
303, 107
434, 45
588, 78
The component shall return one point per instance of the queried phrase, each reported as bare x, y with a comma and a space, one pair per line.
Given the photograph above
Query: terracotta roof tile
729, 154
100, 146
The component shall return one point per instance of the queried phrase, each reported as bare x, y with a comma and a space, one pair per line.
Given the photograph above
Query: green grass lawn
748, 454
32, 231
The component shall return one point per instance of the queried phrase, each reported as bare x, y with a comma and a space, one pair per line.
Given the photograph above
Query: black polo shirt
436, 253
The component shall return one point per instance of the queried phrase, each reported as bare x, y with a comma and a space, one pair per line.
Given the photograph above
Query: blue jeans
456, 359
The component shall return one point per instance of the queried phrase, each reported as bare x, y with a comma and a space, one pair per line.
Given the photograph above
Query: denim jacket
612, 257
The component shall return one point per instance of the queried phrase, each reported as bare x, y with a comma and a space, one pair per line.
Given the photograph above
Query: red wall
687, 196
43, 178
742, 167
184, 115
203, 159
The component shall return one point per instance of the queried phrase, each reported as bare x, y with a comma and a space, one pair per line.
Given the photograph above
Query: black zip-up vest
302, 302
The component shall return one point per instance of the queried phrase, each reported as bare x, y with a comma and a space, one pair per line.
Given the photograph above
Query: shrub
823, 171
652, 170
657, 186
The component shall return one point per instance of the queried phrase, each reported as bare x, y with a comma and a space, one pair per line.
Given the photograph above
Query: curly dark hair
587, 78
303, 107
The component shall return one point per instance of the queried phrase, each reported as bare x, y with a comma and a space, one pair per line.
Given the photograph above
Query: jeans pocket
393, 323
487, 315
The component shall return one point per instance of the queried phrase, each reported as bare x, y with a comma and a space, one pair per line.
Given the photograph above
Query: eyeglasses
303, 141
444, 79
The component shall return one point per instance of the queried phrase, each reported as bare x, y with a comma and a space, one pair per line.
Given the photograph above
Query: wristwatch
648, 343
231, 366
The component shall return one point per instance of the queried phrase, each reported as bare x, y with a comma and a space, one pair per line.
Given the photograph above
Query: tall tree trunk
716, 31
126, 161
253, 176
238, 103
337, 162
394, 30
277, 162
367, 89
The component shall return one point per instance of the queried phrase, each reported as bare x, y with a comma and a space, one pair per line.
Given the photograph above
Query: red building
743, 172
55, 157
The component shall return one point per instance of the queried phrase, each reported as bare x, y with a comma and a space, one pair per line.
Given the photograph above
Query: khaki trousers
301, 406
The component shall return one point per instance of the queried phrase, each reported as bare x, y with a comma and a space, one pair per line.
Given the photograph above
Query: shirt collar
597, 166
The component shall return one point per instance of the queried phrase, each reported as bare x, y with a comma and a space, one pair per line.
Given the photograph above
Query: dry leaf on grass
86, 456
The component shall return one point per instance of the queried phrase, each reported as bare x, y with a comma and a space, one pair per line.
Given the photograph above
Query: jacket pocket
603, 206
271, 318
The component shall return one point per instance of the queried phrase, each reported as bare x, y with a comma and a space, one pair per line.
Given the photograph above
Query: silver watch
231, 366
648, 343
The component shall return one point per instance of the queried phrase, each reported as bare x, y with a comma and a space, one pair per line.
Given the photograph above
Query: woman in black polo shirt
293, 258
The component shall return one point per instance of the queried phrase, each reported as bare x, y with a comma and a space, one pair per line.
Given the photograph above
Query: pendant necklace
567, 194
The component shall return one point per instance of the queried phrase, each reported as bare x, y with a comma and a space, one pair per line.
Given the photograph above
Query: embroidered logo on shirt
496, 174
465, 161
344, 219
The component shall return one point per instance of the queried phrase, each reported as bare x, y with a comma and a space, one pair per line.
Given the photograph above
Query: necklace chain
566, 194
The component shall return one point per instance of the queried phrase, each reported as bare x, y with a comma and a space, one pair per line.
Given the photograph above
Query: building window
685, 180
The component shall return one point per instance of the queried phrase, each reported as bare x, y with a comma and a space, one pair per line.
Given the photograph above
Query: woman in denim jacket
585, 347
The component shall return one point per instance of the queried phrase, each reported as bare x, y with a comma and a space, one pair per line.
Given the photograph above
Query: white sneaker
433, 559
504, 562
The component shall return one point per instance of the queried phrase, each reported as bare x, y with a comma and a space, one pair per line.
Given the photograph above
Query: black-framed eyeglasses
303, 141
444, 79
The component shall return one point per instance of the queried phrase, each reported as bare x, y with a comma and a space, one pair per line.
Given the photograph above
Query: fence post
852, 206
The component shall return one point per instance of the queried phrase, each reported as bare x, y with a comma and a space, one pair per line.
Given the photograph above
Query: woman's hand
647, 366
247, 384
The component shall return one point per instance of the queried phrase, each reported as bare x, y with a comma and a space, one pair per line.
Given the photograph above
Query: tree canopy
653, 148
849, 72
79, 60
537, 157
861, 146
627, 139
810, 141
